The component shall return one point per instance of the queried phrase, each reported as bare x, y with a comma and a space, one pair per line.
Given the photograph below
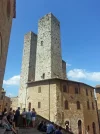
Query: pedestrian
17, 116
6, 124
24, 117
33, 117
50, 128
58, 131
28, 117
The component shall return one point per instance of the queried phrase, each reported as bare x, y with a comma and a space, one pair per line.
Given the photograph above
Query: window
64, 88
43, 75
76, 90
29, 105
78, 105
91, 93
8, 8
39, 104
79, 127
86, 92
66, 104
88, 128
94, 128
41, 43
92, 105
39, 89
6, 104
88, 105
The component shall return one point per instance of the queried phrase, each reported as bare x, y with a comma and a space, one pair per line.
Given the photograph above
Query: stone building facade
4, 101
42, 58
28, 65
14, 102
7, 13
63, 100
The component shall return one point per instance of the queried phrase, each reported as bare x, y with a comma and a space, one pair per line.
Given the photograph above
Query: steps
28, 131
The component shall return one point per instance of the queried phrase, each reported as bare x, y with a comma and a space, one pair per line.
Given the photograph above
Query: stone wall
45, 94
28, 66
53, 96
14, 102
6, 14
48, 56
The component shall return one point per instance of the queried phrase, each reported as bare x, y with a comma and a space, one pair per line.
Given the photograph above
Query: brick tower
28, 66
48, 56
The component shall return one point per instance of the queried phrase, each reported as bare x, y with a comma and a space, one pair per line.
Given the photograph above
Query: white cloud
67, 64
83, 74
12, 81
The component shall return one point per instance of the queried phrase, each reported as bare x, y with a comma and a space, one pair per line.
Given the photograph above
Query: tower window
91, 93
8, 8
86, 92
43, 75
64, 88
88, 105
29, 105
92, 105
78, 105
39, 104
41, 43
76, 90
39, 89
66, 104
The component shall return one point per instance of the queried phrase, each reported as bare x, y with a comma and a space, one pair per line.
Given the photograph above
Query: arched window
79, 127
91, 93
76, 91
88, 105
86, 92
88, 128
8, 8
92, 105
78, 105
64, 88
66, 104
94, 128
29, 105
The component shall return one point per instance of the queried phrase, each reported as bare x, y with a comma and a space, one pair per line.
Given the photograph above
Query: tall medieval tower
48, 56
42, 57
28, 66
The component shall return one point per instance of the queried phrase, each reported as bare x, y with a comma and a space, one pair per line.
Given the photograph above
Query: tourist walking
33, 117
28, 118
17, 116
24, 113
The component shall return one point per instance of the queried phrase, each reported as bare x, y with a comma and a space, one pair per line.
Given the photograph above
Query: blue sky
80, 37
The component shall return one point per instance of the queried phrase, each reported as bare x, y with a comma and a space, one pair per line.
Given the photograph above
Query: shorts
33, 118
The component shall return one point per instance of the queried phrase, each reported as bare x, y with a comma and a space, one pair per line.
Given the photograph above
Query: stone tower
48, 55
28, 66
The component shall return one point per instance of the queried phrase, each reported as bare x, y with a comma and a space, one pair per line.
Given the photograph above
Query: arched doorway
79, 127
94, 128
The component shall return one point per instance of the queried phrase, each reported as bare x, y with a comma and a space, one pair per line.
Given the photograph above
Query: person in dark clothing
17, 115
44, 127
58, 131
40, 126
